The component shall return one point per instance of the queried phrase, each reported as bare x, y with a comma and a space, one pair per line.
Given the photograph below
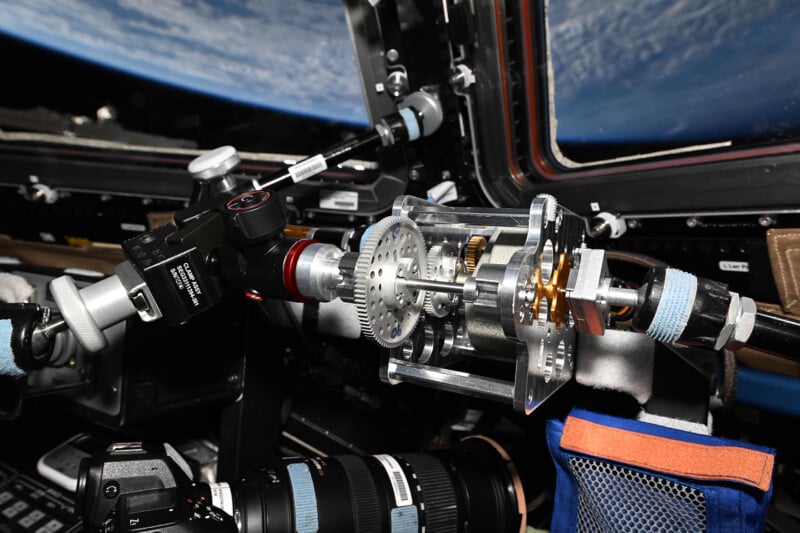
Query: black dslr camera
472, 487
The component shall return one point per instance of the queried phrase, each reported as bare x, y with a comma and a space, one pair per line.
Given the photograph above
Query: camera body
471, 487
138, 487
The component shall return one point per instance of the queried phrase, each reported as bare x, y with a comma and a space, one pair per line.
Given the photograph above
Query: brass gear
475, 248
554, 291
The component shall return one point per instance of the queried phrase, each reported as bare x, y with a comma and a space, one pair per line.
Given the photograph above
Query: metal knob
214, 164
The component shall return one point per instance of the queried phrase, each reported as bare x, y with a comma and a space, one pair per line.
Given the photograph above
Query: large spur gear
387, 309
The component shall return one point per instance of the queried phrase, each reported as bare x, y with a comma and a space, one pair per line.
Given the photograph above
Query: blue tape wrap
412, 126
8, 367
364, 237
306, 519
675, 307
404, 519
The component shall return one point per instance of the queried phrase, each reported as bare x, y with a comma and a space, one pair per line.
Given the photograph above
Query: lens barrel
473, 487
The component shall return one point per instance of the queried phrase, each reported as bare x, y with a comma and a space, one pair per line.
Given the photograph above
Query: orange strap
660, 454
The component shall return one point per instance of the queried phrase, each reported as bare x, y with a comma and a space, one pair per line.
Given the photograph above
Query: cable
635, 258
776, 334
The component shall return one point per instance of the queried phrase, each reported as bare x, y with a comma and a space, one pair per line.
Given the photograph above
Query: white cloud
287, 54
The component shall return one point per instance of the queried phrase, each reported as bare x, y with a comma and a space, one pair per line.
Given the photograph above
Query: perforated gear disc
387, 310
443, 265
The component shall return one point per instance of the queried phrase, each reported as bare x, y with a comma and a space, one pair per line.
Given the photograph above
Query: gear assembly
532, 283
440, 323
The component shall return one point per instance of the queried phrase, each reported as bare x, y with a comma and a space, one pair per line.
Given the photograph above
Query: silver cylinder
108, 302
483, 310
622, 297
317, 272
92, 309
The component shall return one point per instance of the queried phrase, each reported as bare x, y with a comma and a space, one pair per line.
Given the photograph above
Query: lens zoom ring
438, 493
363, 493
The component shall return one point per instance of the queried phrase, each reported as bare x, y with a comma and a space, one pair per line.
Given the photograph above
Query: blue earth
289, 55
675, 70
624, 71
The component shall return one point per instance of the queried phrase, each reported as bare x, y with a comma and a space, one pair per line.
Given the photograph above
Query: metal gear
387, 310
554, 291
443, 265
475, 248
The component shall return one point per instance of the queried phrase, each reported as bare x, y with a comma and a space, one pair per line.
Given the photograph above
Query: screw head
111, 490
765, 221
693, 222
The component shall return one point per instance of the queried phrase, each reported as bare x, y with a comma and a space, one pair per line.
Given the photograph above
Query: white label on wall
342, 200
129, 226
734, 266
595, 207
310, 167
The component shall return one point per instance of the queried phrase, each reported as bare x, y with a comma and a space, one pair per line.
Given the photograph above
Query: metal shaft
334, 155
623, 297
432, 285
52, 327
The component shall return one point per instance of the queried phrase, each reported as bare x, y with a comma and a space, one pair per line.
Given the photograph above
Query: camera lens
473, 487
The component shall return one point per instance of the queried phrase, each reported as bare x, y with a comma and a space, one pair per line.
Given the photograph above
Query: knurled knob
215, 163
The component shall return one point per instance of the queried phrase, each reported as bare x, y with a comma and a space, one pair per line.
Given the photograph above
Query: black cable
635, 258
776, 334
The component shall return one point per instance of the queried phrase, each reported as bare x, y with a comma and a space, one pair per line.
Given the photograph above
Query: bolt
111, 490
233, 378
414, 175
397, 83
72, 363
634, 223
457, 79
392, 55
693, 222
766, 221
550, 206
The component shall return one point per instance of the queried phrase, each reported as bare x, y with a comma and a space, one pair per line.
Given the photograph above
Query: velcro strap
783, 246
669, 456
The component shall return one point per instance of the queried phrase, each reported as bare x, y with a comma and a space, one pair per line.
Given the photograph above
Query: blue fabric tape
675, 307
8, 367
410, 120
364, 237
404, 519
306, 519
